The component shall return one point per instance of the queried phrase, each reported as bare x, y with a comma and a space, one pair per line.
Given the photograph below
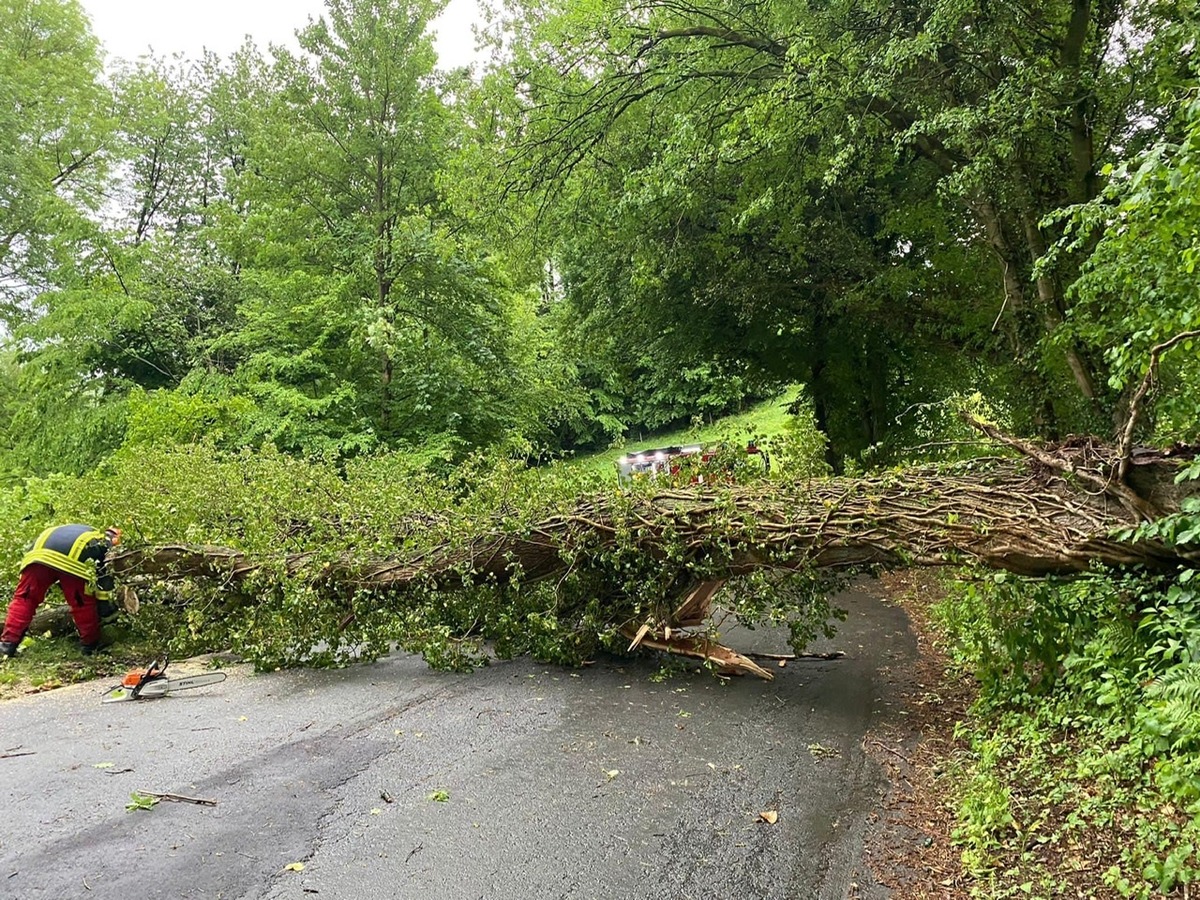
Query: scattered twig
895, 753
836, 654
21, 753
179, 798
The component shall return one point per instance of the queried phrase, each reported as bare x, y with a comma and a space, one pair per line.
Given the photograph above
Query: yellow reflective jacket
78, 550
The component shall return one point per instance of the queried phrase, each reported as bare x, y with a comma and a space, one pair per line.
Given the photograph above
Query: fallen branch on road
178, 798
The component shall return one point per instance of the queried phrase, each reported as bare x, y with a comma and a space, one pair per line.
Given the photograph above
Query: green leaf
139, 801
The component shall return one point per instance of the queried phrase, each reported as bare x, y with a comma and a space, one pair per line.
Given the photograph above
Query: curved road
390, 780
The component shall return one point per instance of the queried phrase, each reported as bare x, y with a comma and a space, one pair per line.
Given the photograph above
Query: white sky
129, 28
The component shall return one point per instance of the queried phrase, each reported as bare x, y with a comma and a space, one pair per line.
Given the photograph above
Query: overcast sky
129, 28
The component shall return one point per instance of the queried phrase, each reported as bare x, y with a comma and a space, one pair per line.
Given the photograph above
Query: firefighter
74, 557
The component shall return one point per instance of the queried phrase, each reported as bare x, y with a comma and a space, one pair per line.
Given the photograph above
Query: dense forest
335, 303
634, 216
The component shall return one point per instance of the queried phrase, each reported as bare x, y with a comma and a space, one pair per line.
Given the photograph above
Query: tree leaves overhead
54, 123
639, 215
826, 155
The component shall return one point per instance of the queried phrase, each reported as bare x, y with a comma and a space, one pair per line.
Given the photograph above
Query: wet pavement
390, 780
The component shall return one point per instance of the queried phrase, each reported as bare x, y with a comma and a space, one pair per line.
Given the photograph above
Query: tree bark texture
1031, 516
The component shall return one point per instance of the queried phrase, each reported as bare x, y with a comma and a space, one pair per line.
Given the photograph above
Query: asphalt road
516, 781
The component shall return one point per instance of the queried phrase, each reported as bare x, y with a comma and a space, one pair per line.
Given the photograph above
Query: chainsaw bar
160, 687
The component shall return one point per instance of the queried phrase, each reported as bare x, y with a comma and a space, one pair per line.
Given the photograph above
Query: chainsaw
152, 682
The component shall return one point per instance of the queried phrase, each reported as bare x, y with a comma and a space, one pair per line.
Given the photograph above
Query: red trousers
36, 579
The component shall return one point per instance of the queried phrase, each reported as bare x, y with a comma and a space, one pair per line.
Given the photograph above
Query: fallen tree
1049, 511
1009, 515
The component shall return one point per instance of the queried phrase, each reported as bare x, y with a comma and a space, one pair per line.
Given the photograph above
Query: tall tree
1002, 112
142, 290
374, 296
160, 105
55, 119
1138, 294
137, 287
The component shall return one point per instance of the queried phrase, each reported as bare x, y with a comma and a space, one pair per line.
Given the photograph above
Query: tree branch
727, 36
1125, 442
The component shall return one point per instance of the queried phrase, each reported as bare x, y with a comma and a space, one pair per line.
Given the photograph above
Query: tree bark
1046, 514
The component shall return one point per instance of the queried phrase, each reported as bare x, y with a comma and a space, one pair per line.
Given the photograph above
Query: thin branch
727, 36
1125, 444
179, 798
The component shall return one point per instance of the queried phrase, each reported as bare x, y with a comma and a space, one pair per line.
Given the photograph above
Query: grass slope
762, 422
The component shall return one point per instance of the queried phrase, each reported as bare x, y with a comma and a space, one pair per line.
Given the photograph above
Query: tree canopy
631, 218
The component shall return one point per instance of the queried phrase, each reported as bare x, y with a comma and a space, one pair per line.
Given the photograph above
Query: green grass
763, 420
45, 662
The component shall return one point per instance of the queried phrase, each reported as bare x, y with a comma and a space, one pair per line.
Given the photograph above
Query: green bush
297, 518
1088, 720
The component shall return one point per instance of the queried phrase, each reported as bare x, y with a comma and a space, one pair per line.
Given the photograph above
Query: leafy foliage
641, 215
1138, 287
1087, 719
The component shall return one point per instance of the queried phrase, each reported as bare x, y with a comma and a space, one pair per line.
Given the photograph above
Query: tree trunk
1050, 513
55, 620
1035, 516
